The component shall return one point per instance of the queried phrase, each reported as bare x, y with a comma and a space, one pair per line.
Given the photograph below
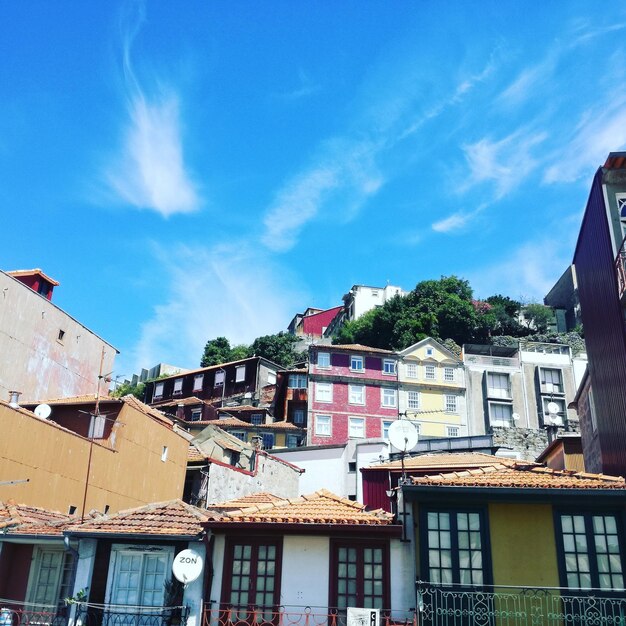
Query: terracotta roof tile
195, 455
89, 398
189, 401
161, 518
35, 270
246, 501
355, 346
444, 460
321, 507
522, 475
19, 519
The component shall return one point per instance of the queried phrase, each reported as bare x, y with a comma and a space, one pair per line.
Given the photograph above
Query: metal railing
495, 361
119, 615
512, 606
294, 616
21, 614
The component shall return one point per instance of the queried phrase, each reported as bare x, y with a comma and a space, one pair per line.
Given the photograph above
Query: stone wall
529, 443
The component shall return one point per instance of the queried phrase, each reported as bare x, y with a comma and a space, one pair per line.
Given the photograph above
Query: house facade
600, 262
353, 393
46, 352
431, 389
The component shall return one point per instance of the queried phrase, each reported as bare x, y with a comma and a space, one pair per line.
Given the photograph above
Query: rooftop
443, 460
33, 272
321, 507
19, 519
354, 347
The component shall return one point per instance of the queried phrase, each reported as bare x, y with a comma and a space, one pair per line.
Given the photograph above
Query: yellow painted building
518, 543
128, 456
431, 383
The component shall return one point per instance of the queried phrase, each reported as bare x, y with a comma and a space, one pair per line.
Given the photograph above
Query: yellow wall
523, 548
55, 461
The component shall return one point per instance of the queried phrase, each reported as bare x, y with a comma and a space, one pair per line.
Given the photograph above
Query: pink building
353, 393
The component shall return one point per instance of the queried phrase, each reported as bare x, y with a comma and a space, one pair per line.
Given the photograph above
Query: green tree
538, 317
279, 348
125, 389
216, 351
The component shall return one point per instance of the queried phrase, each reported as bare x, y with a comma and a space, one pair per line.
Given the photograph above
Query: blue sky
195, 169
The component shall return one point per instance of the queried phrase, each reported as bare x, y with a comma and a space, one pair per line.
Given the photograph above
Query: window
219, 378
323, 426
592, 412
498, 385
268, 441
241, 435
452, 431
324, 392
138, 576
323, 359
240, 373
551, 380
164, 454
429, 351
196, 415
158, 391
356, 394
454, 548
50, 577
500, 414
356, 427
560, 402
61, 336
356, 363
359, 574
450, 404
385, 428
388, 397
298, 416
413, 399
252, 573
389, 366
271, 378
429, 372
293, 441
178, 387
256, 419
411, 370
352, 466
297, 381
589, 551
448, 374
96, 427
198, 379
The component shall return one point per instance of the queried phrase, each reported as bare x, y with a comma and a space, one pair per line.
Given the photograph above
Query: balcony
491, 361
23, 614
518, 606
296, 616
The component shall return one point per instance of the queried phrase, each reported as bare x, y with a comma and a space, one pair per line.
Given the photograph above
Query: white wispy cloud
505, 162
347, 169
528, 271
457, 221
150, 171
306, 87
229, 290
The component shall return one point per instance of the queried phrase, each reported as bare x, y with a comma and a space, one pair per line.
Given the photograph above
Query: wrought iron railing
119, 615
620, 269
21, 614
294, 616
513, 606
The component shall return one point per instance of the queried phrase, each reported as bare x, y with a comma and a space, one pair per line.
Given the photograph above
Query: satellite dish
43, 411
403, 435
553, 408
516, 417
187, 566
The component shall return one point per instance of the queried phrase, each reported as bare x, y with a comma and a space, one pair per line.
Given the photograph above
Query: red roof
19, 519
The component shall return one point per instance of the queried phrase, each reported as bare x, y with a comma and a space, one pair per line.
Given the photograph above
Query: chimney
14, 401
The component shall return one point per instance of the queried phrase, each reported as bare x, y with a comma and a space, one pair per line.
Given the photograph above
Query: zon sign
187, 566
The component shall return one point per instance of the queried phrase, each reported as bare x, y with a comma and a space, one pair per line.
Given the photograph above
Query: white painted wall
305, 572
213, 600
192, 595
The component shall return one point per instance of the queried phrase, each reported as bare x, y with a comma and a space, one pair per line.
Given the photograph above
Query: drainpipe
15, 397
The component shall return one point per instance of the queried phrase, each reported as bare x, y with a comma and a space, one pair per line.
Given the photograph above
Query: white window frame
450, 403
323, 425
356, 394
430, 368
356, 427
220, 378
198, 380
158, 390
357, 358
500, 422
195, 412
452, 431
411, 370
119, 550
449, 374
240, 374
413, 400
326, 390
178, 387
271, 378
323, 356
384, 428
503, 393
297, 381
389, 367
385, 396
34, 574
430, 351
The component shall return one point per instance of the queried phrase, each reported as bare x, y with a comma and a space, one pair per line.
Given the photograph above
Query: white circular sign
187, 566
553, 408
403, 435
